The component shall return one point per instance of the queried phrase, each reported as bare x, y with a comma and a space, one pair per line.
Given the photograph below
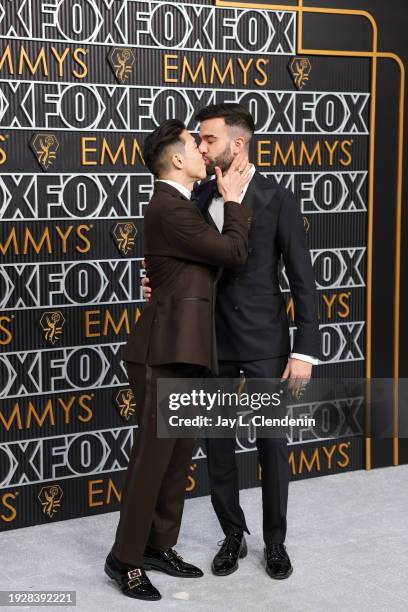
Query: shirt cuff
308, 358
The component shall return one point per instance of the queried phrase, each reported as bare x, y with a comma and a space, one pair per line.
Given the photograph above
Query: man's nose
202, 147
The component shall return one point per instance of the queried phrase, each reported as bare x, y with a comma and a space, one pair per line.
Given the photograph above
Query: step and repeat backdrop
81, 85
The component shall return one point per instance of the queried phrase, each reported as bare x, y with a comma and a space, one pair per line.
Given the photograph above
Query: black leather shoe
169, 562
233, 548
278, 564
132, 580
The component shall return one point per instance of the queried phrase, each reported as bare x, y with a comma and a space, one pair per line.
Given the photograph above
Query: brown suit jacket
183, 255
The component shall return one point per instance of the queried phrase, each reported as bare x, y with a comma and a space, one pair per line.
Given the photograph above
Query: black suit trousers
273, 459
154, 489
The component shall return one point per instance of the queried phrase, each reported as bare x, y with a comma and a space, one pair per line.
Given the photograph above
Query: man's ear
238, 145
177, 161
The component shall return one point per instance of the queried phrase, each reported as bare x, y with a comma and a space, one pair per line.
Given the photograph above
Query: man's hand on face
299, 373
231, 184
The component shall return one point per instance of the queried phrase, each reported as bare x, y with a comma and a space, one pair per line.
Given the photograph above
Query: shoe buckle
134, 578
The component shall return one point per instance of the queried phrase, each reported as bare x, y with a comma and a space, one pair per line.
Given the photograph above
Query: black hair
232, 113
157, 143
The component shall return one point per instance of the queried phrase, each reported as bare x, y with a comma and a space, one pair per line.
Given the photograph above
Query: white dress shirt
216, 210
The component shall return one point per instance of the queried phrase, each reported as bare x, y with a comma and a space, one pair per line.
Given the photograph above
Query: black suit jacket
251, 319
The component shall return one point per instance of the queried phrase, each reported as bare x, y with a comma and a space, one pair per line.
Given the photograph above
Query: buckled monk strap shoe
132, 581
278, 564
169, 562
233, 548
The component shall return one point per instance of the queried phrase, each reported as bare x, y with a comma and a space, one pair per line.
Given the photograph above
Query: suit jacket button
250, 250
236, 307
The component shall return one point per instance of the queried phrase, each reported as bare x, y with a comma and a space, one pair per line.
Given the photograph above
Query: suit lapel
259, 193
208, 217
203, 193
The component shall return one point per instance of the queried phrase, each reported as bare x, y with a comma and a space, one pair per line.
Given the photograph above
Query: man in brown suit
174, 338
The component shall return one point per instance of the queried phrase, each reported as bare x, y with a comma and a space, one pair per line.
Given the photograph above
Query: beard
223, 161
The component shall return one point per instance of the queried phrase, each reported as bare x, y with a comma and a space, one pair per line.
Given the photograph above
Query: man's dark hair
157, 143
232, 113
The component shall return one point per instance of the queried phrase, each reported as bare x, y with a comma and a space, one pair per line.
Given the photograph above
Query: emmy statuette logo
299, 390
124, 235
300, 68
124, 400
50, 499
121, 61
51, 324
45, 148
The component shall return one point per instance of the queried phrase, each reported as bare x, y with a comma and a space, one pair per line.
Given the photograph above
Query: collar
253, 170
183, 190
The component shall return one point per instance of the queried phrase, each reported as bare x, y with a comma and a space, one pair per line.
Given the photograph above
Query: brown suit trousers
156, 478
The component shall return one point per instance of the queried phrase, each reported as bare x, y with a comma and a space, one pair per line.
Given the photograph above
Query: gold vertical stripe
368, 453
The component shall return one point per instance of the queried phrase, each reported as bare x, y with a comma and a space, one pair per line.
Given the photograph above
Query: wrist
231, 197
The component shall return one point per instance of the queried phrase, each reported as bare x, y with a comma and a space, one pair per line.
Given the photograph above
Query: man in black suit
252, 330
